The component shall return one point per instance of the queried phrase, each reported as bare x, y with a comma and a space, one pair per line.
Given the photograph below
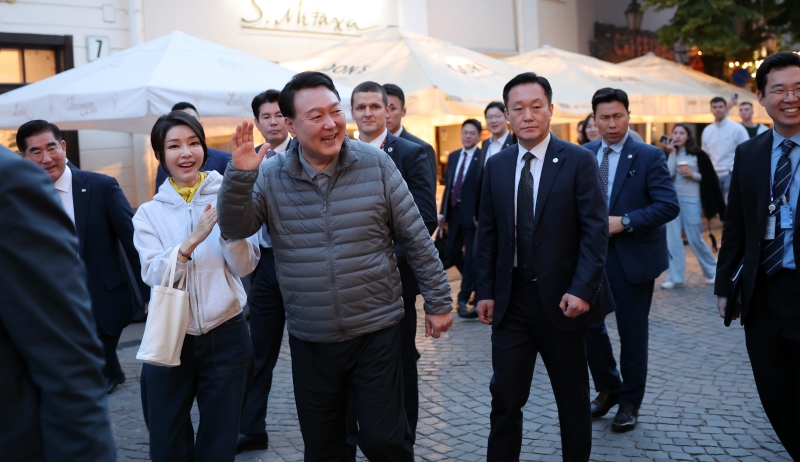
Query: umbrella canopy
127, 91
440, 80
690, 78
575, 77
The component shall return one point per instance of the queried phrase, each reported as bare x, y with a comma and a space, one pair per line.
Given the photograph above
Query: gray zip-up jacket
215, 291
334, 252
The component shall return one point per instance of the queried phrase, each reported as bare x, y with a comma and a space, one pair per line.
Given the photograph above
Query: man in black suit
641, 201
102, 219
394, 122
760, 241
217, 159
501, 138
369, 106
541, 248
52, 393
458, 210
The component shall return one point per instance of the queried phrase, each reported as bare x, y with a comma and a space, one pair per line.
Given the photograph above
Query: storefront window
11, 66
39, 65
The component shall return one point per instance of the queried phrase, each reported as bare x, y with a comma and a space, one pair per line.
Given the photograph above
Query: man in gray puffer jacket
334, 207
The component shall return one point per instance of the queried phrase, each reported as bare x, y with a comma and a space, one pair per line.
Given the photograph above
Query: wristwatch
626, 222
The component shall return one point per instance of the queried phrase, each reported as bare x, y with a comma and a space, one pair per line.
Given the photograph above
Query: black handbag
441, 246
734, 308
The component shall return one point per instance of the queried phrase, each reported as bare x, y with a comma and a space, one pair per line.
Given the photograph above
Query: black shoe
603, 403
258, 442
626, 419
464, 312
113, 382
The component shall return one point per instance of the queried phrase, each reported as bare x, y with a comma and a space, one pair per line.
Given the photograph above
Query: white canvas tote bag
167, 320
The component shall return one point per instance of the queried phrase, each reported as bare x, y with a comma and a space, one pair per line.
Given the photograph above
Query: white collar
64, 183
469, 151
722, 122
502, 138
378, 142
616, 147
282, 147
399, 131
538, 151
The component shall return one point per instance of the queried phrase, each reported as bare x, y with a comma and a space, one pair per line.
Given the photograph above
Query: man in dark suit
217, 159
52, 392
394, 123
641, 201
541, 247
761, 243
102, 218
369, 106
458, 210
501, 138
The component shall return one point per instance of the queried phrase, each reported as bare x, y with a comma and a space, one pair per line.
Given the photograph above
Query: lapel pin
555, 160
630, 156
390, 149
83, 190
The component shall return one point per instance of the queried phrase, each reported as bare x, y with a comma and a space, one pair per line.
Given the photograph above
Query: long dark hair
690, 146
583, 128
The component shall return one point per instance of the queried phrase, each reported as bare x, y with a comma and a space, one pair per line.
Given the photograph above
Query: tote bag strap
170, 274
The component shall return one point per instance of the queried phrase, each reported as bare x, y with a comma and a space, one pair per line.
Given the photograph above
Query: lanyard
772, 201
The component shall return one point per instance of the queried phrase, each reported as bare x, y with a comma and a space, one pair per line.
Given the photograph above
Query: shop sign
310, 16
617, 44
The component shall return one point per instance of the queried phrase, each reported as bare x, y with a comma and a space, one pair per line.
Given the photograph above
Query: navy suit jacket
570, 233
430, 154
412, 162
52, 390
103, 223
645, 192
464, 214
746, 219
217, 160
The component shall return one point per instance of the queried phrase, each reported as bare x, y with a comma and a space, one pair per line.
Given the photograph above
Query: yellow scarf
187, 193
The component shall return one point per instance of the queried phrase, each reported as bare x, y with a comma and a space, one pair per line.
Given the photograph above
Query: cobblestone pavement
701, 402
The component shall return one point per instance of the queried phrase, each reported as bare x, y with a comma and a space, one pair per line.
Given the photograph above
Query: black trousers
111, 366
267, 320
772, 331
409, 355
523, 333
324, 374
460, 246
633, 310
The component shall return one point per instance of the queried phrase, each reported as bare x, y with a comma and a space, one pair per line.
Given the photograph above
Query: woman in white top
217, 356
696, 187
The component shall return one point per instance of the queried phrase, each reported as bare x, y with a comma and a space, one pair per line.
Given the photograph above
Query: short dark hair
369, 87
718, 99
776, 61
495, 104
473, 122
269, 96
528, 77
302, 81
184, 105
745, 103
33, 128
393, 90
609, 95
164, 124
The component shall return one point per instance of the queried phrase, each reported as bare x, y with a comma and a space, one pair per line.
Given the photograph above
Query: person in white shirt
720, 139
498, 126
267, 316
746, 113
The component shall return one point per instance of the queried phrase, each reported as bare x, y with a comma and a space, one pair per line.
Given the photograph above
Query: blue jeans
689, 220
216, 368
725, 185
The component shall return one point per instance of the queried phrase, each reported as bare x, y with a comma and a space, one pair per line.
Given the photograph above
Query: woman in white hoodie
217, 356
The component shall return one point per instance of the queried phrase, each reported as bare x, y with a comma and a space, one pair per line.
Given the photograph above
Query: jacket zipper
193, 275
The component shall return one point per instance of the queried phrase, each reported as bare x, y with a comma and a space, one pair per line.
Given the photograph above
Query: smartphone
665, 139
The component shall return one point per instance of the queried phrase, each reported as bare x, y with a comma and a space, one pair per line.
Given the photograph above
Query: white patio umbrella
127, 91
443, 83
690, 78
575, 77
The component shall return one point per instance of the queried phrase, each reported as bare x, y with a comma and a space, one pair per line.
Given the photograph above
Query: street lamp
633, 15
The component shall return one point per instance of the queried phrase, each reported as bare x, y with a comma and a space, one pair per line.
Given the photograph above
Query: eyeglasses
37, 156
783, 93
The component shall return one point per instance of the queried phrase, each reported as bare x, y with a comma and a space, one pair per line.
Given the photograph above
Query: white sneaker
670, 285
711, 281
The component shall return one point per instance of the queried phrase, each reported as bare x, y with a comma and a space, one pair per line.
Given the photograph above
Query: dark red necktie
455, 196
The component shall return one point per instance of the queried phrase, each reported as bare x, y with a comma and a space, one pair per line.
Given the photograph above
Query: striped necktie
774, 249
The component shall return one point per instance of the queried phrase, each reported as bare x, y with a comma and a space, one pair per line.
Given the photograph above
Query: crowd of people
334, 236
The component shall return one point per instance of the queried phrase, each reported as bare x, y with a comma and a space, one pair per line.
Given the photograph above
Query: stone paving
701, 402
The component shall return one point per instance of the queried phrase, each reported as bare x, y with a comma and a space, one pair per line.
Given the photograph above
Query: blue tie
774, 249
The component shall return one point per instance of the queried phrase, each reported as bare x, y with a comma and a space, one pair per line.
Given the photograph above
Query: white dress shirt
537, 163
495, 145
64, 189
461, 159
378, 142
613, 162
399, 131
281, 147
720, 140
